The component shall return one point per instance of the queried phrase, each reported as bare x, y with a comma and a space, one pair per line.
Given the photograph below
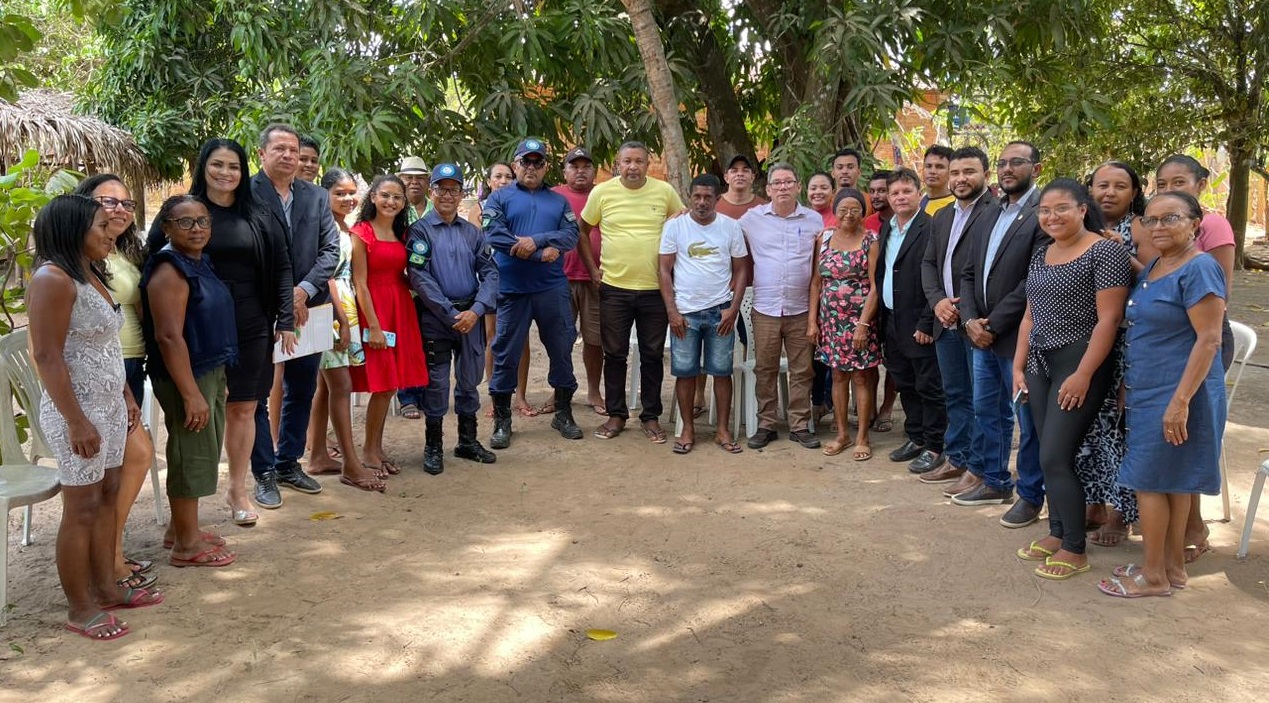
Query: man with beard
993, 300
846, 168
955, 230
579, 180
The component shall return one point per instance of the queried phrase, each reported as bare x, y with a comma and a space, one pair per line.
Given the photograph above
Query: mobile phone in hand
389, 337
1019, 398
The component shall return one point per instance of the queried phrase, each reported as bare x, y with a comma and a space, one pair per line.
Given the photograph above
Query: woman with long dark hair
249, 252
124, 268
1076, 289
86, 408
390, 328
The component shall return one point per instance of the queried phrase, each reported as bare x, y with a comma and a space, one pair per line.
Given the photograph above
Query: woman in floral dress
843, 307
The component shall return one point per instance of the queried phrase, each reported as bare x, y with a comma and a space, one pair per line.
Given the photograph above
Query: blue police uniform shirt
448, 262
544, 215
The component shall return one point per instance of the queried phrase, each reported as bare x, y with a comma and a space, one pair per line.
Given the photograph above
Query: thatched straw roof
45, 120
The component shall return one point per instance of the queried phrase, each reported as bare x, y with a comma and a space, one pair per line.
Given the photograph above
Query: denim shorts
702, 341
134, 371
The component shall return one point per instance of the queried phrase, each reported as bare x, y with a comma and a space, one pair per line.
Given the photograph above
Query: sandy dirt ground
772, 576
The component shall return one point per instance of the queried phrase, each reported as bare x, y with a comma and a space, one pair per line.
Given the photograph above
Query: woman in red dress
393, 345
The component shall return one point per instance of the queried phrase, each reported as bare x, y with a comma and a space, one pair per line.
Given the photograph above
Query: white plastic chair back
1244, 345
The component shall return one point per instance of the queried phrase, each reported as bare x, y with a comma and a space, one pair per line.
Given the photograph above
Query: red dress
404, 365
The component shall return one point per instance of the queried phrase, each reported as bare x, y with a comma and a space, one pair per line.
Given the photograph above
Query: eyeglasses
110, 203
451, 192
1171, 220
782, 184
852, 211
1015, 162
390, 197
535, 163
1060, 210
186, 224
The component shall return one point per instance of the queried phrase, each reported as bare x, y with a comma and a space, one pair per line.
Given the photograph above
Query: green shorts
193, 458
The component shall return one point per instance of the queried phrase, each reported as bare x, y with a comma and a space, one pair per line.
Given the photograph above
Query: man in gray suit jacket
303, 210
993, 299
955, 230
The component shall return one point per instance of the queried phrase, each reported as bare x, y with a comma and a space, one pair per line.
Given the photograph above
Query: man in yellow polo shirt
632, 210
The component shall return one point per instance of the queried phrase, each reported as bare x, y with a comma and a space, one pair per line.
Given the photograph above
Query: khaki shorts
586, 306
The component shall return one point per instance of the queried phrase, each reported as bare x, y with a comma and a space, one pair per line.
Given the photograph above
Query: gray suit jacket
312, 235
981, 219
1005, 299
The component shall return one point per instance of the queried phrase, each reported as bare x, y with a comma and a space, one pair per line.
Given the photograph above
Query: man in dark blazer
955, 229
303, 210
907, 322
993, 300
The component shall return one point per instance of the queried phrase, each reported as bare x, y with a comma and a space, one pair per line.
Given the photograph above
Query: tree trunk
1240, 159
661, 87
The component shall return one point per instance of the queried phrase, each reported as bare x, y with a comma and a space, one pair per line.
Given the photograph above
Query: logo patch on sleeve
420, 246
568, 215
417, 259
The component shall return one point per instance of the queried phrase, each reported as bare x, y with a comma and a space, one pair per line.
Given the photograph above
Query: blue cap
447, 172
530, 146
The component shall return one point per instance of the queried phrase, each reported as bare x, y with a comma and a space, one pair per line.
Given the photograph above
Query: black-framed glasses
186, 224
535, 163
1015, 162
110, 203
1169, 220
451, 191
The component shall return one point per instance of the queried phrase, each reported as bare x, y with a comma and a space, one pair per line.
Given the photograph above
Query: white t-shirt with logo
702, 267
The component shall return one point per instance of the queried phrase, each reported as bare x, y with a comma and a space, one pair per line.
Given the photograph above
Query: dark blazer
912, 310
981, 219
312, 236
1005, 300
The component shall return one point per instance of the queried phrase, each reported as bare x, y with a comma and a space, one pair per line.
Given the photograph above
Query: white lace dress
94, 359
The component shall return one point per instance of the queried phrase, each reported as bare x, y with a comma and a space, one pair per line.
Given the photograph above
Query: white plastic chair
750, 380
737, 388
1244, 345
151, 415
1253, 502
22, 482
19, 373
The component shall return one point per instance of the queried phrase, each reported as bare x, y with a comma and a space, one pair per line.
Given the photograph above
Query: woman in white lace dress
85, 410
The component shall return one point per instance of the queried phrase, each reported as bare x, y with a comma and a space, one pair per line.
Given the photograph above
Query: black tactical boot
434, 450
501, 438
564, 415
468, 446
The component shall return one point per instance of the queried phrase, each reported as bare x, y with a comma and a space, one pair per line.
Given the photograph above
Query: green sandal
1028, 553
1072, 570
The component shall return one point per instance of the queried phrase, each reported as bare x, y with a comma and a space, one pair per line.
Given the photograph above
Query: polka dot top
1063, 297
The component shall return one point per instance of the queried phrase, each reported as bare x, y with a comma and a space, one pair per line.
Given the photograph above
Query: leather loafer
928, 460
761, 438
909, 451
947, 473
983, 495
967, 482
804, 438
1020, 514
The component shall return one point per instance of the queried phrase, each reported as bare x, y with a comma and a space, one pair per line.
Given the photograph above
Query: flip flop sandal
607, 432
698, 410
527, 411
137, 580
410, 411
139, 567
1101, 537
100, 622
682, 447
379, 472
1116, 588
1072, 570
1194, 551
1028, 553
390, 467
332, 449
546, 409
214, 557
729, 447
863, 453
654, 436
208, 537
600, 410
137, 598
331, 471
883, 424
366, 484
1132, 571
833, 448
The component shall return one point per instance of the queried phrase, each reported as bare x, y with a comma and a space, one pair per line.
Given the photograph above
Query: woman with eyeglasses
1175, 392
1076, 289
390, 326
124, 268
1180, 173
249, 250
192, 337
86, 408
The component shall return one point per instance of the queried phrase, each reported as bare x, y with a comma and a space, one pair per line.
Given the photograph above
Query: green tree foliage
24, 189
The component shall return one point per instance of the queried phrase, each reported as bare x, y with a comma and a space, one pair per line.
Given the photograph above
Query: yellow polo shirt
632, 221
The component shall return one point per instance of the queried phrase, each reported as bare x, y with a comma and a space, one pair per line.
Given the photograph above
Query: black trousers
644, 310
1061, 433
920, 387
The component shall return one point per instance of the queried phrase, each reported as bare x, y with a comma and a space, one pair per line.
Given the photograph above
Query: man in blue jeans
703, 278
313, 239
955, 229
993, 299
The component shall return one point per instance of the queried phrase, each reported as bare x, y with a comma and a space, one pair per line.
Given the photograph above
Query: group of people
1103, 342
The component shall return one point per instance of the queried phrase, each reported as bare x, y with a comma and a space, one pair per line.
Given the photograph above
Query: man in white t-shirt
703, 278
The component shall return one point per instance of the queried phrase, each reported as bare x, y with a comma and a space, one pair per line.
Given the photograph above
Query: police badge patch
419, 251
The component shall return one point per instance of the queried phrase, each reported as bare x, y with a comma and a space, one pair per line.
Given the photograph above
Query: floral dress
345, 298
844, 289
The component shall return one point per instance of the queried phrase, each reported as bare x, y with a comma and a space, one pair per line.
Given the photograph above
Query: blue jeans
299, 383
993, 409
956, 365
701, 340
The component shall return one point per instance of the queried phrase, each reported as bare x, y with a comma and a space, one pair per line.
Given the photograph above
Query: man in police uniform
530, 227
452, 272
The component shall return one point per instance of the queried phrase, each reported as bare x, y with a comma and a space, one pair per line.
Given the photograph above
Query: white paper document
315, 337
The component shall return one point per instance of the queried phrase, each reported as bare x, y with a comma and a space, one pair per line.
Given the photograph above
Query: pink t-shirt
574, 268
872, 223
1214, 231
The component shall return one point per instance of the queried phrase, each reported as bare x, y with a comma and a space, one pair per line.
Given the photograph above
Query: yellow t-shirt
933, 205
632, 220
125, 288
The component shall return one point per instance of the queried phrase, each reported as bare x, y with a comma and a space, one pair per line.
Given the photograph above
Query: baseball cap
578, 152
530, 146
741, 157
414, 166
447, 172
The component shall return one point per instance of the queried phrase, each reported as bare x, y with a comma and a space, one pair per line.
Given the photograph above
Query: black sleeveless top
210, 329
